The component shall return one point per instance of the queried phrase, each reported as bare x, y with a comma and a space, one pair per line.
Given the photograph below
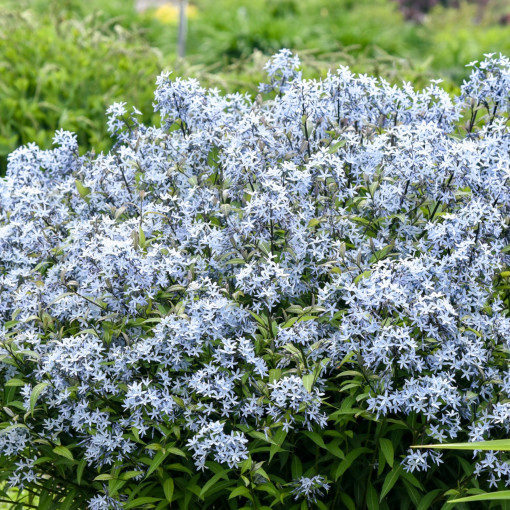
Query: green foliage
496, 444
60, 72
224, 30
358, 453
229, 30
458, 36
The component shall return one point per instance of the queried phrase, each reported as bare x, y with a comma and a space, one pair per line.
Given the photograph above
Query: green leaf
278, 440
168, 489
240, 491
7, 144
316, 438
308, 382
104, 476
212, 157
347, 501
372, 498
67, 503
130, 474
258, 319
15, 382
499, 495
42, 460
154, 446
349, 459
335, 450
79, 472
496, 444
296, 467
141, 237
12, 427
156, 461
387, 449
427, 499
175, 451
466, 466
275, 374
63, 452
413, 493
115, 485
83, 191
212, 481
412, 480
390, 481
178, 467
140, 501
336, 147
235, 261
45, 501
35, 395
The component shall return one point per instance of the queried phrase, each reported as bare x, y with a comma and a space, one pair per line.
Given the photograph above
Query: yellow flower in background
169, 13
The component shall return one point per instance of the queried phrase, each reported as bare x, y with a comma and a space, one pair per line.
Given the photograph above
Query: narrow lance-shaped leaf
489, 496
496, 444
35, 395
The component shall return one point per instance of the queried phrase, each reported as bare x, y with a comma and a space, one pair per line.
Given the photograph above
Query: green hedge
64, 72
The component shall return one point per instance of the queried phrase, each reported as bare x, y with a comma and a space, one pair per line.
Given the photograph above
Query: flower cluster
208, 281
310, 488
228, 448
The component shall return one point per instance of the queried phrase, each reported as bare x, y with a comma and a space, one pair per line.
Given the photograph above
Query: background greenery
63, 62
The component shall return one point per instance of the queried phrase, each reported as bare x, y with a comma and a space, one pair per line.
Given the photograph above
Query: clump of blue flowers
244, 302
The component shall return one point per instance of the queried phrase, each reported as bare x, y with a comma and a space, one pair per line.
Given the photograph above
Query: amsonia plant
262, 303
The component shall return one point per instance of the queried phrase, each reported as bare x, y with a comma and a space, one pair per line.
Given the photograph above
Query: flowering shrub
265, 300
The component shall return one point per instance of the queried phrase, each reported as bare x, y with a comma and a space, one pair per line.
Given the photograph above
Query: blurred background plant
62, 71
63, 62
